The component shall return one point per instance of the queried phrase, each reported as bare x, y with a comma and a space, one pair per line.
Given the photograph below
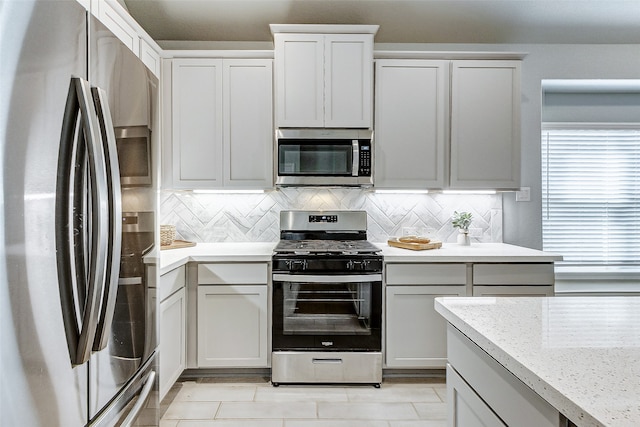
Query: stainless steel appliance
327, 300
134, 151
78, 335
324, 157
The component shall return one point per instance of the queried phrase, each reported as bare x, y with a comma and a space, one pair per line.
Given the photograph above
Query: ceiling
401, 21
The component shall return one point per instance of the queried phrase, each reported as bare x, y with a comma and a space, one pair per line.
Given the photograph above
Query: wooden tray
434, 244
178, 244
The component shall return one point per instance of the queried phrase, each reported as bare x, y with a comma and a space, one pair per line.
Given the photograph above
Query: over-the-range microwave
324, 157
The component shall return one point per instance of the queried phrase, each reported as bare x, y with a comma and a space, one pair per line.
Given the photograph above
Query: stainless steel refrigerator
78, 122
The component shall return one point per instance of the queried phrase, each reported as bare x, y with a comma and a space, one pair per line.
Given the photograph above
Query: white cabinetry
221, 123
248, 123
485, 124
514, 279
112, 15
232, 319
481, 392
411, 123
415, 332
118, 20
467, 408
173, 328
324, 80
418, 100
196, 107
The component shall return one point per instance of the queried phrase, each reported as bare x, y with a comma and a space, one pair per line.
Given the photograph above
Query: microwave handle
355, 168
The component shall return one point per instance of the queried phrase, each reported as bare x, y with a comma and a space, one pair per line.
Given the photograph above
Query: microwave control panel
365, 158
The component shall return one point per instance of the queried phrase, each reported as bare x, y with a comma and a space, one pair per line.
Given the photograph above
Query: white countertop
580, 354
450, 252
477, 252
216, 252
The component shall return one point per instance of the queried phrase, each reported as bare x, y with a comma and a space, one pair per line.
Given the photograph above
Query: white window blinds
591, 193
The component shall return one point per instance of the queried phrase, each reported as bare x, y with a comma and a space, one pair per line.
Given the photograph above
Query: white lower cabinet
232, 320
173, 328
466, 408
415, 332
514, 279
481, 392
232, 326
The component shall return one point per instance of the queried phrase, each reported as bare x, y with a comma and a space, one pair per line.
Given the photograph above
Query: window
591, 193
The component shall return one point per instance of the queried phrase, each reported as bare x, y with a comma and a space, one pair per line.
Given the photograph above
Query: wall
255, 217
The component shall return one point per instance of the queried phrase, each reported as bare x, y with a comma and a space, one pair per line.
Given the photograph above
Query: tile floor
256, 403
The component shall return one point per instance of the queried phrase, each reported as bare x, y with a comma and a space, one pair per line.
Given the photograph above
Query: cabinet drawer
233, 273
426, 274
513, 274
171, 282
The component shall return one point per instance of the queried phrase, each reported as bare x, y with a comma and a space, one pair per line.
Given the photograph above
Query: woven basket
167, 234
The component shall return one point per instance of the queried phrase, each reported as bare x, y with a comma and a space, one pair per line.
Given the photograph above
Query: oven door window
323, 308
321, 158
327, 316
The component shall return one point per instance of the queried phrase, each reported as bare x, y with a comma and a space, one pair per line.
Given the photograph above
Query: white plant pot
463, 238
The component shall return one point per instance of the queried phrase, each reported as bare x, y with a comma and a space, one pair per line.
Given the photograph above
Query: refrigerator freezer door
128, 88
43, 45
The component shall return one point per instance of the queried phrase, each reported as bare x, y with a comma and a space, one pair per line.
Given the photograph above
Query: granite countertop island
580, 354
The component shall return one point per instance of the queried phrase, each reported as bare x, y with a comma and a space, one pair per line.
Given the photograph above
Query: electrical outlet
524, 195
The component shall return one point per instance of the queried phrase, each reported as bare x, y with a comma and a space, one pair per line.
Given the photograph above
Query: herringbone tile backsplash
255, 217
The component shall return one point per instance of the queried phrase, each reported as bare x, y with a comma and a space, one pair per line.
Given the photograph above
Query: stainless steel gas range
327, 300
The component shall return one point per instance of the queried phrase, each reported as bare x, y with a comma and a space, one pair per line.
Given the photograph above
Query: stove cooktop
326, 246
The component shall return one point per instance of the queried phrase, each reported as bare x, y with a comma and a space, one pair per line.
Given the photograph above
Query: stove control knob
296, 264
358, 265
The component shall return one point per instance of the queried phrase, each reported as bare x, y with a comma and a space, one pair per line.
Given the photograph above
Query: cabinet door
416, 335
232, 326
111, 15
197, 123
348, 80
299, 66
248, 123
464, 407
173, 331
411, 123
485, 125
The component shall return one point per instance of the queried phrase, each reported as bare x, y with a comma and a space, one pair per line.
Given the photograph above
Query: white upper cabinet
447, 124
118, 20
485, 125
221, 123
411, 123
324, 80
196, 109
299, 64
248, 123
348, 80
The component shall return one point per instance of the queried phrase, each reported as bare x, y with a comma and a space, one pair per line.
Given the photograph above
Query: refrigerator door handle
80, 225
114, 199
142, 399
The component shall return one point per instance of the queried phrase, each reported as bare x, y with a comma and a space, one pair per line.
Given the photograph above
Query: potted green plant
462, 221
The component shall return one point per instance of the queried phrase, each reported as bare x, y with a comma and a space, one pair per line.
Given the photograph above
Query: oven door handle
343, 278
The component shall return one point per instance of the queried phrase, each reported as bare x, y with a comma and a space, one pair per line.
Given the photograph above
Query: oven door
327, 312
